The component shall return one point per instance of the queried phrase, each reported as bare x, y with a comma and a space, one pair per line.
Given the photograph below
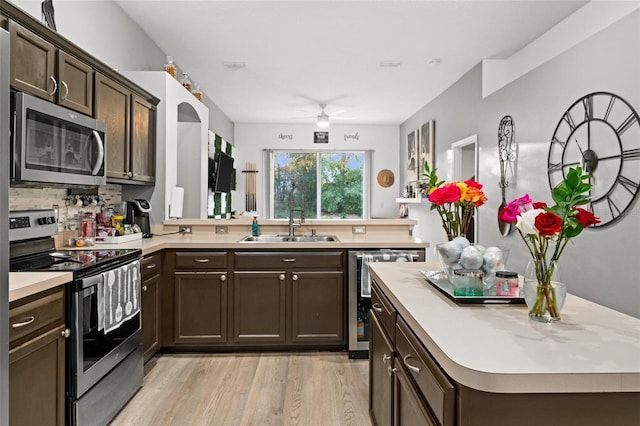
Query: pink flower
518, 206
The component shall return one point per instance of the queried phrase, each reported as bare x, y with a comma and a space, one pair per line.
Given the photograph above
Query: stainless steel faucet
293, 210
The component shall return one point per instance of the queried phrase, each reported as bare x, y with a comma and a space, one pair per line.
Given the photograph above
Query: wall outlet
185, 229
358, 230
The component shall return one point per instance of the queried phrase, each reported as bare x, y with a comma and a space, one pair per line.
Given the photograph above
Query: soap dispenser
255, 228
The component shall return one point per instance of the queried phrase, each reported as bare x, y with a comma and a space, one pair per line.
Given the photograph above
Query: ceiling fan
323, 119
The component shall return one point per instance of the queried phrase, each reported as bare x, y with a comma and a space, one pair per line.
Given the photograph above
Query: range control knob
51, 219
42, 221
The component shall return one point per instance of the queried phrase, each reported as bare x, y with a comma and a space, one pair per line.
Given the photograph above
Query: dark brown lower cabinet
317, 305
151, 316
200, 307
381, 370
259, 307
151, 304
409, 410
37, 335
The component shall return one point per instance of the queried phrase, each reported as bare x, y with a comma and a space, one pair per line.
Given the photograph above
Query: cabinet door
317, 305
381, 362
143, 141
409, 409
200, 310
75, 80
112, 106
151, 316
259, 307
32, 63
36, 379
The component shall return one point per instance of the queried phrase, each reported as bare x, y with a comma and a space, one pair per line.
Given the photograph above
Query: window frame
366, 178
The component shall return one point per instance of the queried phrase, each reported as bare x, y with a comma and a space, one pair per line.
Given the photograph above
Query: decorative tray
440, 282
119, 239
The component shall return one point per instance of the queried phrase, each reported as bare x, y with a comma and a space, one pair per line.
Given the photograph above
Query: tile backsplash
46, 198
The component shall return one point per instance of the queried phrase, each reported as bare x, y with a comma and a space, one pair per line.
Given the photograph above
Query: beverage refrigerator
359, 292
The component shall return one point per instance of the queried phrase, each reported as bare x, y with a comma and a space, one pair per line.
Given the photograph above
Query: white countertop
499, 349
231, 241
23, 284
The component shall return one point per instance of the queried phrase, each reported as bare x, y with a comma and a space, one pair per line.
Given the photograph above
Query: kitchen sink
290, 239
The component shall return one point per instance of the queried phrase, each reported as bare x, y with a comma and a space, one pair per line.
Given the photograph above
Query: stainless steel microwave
54, 144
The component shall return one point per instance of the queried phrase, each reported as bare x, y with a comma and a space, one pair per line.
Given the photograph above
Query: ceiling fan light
323, 121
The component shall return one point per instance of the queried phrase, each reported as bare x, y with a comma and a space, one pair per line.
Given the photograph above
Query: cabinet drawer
36, 314
199, 260
151, 265
433, 384
384, 310
279, 260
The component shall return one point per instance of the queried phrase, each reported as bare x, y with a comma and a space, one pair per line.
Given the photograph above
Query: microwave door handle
96, 168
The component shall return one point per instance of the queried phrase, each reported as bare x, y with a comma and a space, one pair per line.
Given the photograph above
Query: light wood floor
294, 388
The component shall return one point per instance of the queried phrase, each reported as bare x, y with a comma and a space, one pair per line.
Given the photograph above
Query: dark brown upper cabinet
131, 127
41, 69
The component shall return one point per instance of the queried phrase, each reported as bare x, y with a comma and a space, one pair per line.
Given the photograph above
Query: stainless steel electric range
104, 349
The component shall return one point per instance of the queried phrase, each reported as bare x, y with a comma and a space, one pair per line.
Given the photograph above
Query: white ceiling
301, 53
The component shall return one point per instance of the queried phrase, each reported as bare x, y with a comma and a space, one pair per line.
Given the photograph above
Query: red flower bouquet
454, 202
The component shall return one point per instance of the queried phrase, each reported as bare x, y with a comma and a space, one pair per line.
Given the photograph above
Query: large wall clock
600, 132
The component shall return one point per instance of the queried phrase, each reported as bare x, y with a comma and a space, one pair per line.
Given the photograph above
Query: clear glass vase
544, 291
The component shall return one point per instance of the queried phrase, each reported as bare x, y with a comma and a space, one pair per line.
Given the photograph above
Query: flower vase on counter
546, 231
544, 291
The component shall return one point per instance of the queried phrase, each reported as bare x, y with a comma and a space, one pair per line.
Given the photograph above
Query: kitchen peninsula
493, 365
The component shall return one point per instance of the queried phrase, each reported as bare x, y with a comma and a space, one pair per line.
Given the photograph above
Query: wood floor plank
292, 388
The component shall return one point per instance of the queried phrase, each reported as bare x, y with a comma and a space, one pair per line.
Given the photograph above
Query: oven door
93, 350
55, 144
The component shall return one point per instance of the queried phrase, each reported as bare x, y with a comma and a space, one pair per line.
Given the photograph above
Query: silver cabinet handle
144, 288
409, 366
55, 86
223, 278
66, 90
385, 358
376, 307
289, 259
129, 174
27, 321
201, 260
391, 371
282, 277
294, 277
153, 265
66, 333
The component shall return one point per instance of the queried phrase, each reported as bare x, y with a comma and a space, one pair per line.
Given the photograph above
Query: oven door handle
100, 158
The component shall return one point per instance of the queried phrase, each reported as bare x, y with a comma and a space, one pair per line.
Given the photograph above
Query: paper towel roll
175, 205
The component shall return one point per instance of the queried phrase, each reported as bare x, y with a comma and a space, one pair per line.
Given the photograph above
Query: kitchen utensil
110, 280
119, 308
506, 131
129, 306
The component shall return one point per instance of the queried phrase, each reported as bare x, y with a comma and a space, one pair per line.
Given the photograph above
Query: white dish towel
118, 296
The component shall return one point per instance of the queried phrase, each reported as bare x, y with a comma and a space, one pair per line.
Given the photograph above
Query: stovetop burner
73, 261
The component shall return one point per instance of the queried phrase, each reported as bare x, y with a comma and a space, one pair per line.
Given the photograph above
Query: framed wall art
426, 146
412, 156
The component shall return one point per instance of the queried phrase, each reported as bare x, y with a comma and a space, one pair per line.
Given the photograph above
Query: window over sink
323, 184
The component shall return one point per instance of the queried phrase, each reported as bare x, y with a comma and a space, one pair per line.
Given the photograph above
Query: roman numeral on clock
631, 154
628, 122
628, 184
569, 120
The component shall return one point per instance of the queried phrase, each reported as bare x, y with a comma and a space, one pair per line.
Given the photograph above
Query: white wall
600, 265
252, 139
